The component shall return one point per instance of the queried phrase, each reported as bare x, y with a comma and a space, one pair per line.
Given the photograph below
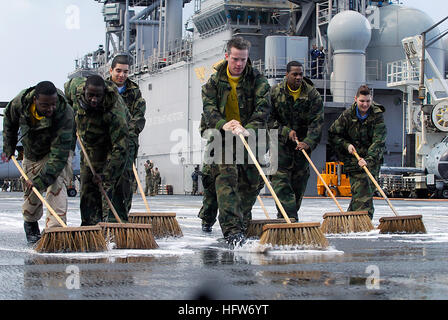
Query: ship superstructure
172, 60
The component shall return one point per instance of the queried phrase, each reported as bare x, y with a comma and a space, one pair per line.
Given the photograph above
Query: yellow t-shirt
232, 108
34, 115
295, 93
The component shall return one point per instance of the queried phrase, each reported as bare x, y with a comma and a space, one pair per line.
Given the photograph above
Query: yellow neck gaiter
232, 108
295, 94
34, 115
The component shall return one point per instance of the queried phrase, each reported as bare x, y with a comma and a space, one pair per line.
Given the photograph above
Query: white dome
349, 31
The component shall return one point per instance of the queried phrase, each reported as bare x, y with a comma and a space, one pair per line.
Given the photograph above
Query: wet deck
356, 266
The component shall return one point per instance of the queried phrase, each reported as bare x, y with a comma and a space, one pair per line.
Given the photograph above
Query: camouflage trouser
123, 191
195, 188
290, 180
209, 209
94, 207
148, 187
155, 187
56, 194
237, 187
362, 191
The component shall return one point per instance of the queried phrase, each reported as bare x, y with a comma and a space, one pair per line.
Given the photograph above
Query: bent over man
45, 121
360, 128
234, 99
298, 114
101, 118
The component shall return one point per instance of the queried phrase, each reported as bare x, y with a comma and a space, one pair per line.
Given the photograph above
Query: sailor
297, 113
195, 178
360, 128
156, 180
101, 118
148, 177
235, 98
130, 92
46, 123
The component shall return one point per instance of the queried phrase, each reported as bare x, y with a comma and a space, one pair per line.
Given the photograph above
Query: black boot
207, 227
32, 231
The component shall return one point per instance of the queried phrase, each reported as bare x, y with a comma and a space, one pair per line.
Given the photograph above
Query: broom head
402, 224
255, 228
71, 239
294, 234
346, 222
164, 224
129, 235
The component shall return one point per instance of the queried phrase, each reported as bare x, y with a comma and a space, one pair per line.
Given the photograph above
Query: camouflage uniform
148, 179
234, 201
122, 197
195, 178
305, 116
368, 137
209, 209
156, 181
105, 135
47, 152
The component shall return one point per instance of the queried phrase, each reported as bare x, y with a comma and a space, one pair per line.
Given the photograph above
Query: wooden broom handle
376, 184
58, 218
266, 181
264, 209
100, 185
321, 179
140, 187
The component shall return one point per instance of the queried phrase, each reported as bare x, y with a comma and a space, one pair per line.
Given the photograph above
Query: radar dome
349, 31
390, 24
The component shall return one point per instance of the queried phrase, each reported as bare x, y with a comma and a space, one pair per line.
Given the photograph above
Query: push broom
66, 239
255, 228
341, 222
164, 224
124, 235
303, 234
397, 224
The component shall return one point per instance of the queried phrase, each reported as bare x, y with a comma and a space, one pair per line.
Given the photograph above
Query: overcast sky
41, 39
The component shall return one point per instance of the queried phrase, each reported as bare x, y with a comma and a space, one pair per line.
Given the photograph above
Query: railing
154, 63
401, 72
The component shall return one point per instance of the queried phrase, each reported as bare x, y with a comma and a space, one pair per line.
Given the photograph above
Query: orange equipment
335, 179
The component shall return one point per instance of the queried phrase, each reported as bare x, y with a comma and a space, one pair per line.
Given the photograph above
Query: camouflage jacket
253, 98
148, 169
368, 137
49, 136
103, 132
137, 108
305, 115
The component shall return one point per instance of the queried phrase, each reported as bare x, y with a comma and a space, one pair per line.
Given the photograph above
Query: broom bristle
164, 224
294, 234
255, 228
71, 239
402, 224
129, 235
346, 222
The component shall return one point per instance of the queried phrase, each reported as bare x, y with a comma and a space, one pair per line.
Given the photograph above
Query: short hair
95, 80
363, 90
239, 43
120, 59
147, 161
293, 64
46, 88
